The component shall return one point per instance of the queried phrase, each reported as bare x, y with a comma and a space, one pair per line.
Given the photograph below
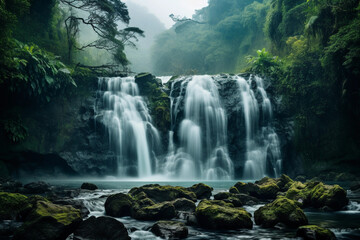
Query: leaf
49, 79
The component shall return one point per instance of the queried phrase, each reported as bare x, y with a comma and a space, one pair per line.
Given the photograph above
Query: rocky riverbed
270, 208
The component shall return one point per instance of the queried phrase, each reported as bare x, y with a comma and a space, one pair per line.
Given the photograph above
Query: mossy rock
201, 190
158, 100
317, 194
160, 194
12, 204
119, 205
49, 221
313, 232
185, 205
216, 214
266, 188
65, 215
234, 190
282, 210
160, 211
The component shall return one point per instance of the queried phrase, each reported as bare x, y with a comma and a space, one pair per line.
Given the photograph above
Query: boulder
170, 230
282, 210
159, 211
313, 232
216, 214
183, 204
11, 205
75, 203
201, 190
244, 199
317, 194
101, 228
119, 205
160, 194
48, 221
234, 190
266, 188
37, 187
89, 186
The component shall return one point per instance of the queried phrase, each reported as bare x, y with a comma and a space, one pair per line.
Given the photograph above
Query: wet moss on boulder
216, 214
313, 232
317, 194
282, 210
160, 194
159, 211
48, 221
201, 190
11, 205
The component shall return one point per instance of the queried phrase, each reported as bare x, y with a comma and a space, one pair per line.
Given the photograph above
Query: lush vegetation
43, 52
217, 40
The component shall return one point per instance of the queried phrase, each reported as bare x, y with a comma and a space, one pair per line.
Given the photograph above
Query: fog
139, 57
163, 8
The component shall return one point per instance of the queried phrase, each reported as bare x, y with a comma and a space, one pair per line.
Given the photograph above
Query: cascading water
202, 134
126, 117
263, 156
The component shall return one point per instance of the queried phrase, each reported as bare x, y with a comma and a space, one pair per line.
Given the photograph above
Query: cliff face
61, 138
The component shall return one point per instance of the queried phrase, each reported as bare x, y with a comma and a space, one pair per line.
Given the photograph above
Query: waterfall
202, 153
198, 138
131, 134
263, 156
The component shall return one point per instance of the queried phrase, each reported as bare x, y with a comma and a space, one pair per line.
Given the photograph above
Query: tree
103, 18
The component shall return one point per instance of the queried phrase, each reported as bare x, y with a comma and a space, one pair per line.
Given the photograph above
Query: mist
140, 57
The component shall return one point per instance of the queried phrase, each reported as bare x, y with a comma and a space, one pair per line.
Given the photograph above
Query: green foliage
37, 74
14, 130
264, 63
231, 30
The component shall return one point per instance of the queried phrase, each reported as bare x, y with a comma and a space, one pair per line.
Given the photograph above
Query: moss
65, 215
315, 231
201, 190
217, 214
294, 191
159, 211
234, 190
159, 193
282, 210
11, 204
317, 194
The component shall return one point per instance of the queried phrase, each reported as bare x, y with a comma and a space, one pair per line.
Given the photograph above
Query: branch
178, 19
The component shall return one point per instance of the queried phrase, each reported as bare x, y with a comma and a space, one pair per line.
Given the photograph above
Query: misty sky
163, 8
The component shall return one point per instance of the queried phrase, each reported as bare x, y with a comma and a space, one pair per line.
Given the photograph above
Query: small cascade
131, 134
202, 152
263, 156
